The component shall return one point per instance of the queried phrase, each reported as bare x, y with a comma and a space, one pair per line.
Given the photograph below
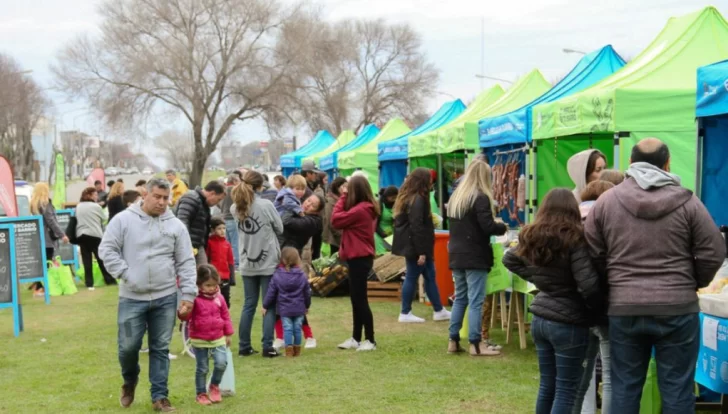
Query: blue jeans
255, 287
292, 329
202, 360
231, 234
586, 399
561, 351
134, 319
410, 284
676, 340
470, 293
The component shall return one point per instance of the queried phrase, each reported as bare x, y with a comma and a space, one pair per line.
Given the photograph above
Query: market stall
364, 158
291, 162
344, 138
712, 113
329, 163
506, 139
392, 154
652, 96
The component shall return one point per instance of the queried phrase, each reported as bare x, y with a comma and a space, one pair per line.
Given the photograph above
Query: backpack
71, 230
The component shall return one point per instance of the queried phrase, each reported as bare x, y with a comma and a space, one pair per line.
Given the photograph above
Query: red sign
7, 189
97, 174
263, 144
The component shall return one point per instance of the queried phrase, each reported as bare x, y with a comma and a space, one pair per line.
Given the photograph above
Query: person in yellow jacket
179, 188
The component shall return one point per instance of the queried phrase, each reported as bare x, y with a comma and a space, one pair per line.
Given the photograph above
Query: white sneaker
278, 344
348, 344
443, 315
144, 350
366, 346
91, 289
172, 357
410, 318
310, 343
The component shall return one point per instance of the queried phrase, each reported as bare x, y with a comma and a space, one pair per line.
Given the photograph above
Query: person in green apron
385, 224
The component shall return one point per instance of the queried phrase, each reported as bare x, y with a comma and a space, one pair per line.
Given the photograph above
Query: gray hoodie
258, 234
576, 166
148, 254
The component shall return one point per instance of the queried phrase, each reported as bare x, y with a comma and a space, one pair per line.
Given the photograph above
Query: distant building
43, 141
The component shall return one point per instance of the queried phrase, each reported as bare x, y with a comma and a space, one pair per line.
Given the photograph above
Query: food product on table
716, 286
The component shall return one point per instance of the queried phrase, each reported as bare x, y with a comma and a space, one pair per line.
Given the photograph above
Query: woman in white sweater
89, 231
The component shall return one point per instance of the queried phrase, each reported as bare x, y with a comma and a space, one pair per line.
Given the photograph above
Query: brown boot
296, 350
453, 347
478, 350
127, 394
163, 405
289, 351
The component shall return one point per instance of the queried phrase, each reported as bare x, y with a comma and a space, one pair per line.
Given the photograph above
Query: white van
23, 192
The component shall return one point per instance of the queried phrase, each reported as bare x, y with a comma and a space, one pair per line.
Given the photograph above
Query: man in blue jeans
148, 248
655, 244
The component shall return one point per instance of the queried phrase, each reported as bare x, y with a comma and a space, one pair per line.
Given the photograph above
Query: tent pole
616, 151
440, 181
527, 173
533, 201
699, 160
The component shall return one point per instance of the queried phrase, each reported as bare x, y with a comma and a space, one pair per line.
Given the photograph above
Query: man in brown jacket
656, 244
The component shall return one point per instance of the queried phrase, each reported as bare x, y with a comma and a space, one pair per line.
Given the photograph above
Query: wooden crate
389, 267
384, 292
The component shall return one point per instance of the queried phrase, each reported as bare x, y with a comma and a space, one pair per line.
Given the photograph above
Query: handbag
71, 230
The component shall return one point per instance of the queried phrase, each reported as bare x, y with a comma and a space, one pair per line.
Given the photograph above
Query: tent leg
440, 181
616, 151
699, 160
527, 173
533, 201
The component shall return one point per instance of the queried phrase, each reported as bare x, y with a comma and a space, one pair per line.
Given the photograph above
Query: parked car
111, 171
147, 171
23, 192
134, 170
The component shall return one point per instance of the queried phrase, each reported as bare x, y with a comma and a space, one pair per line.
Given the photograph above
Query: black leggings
359, 269
90, 247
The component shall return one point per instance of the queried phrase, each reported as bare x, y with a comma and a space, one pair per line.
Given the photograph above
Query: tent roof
323, 139
713, 89
342, 140
654, 92
366, 155
453, 136
396, 149
368, 133
515, 127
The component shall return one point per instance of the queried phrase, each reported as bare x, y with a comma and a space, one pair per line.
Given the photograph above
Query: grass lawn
66, 362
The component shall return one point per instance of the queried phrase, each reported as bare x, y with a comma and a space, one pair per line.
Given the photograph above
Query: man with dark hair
103, 195
654, 244
149, 250
178, 187
193, 210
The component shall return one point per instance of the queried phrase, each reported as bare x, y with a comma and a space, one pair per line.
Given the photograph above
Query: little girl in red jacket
210, 333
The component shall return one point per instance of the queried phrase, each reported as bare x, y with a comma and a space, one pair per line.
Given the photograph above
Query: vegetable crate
327, 274
384, 292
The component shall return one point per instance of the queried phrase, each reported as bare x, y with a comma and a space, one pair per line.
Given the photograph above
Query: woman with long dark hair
89, 231
414, 238
355, 214
471, 211
331, 235
553, 255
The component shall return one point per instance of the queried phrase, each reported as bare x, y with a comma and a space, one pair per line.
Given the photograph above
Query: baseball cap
309, 166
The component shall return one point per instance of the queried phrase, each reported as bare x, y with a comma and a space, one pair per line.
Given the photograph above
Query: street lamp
492, 78
446, 94
578, 52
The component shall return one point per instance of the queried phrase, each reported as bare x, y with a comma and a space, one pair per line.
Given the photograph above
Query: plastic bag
98, 276
651, 402
60, 279
499, 278
227, 384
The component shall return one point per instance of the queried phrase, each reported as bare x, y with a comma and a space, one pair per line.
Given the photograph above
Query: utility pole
482, 52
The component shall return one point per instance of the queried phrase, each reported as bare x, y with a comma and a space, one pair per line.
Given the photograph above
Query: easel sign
8, 279
67, 251
29, 248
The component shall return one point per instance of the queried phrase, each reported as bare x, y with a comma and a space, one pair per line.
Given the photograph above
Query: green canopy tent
365, 157
344, 138
654, 95
446, 148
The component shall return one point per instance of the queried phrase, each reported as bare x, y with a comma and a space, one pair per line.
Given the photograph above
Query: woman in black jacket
115, 203
298, 230
552, 254
471, 215
414, 238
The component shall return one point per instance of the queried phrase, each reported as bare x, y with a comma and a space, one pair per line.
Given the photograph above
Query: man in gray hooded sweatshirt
148, 248
656, 244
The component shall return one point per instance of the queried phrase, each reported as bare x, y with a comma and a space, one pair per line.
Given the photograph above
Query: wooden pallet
384, 292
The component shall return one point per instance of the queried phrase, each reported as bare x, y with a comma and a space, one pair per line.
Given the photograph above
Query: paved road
73, 191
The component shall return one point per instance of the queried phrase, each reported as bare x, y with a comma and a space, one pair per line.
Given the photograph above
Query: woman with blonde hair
41, 205
471, 211
115, 201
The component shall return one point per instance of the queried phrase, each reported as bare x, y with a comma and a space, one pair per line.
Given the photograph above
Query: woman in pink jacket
210, 332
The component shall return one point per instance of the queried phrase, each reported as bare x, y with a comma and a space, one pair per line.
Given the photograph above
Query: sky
518, 36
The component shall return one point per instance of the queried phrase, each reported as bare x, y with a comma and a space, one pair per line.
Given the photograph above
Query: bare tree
178, 148
354, 73
214, 62
22, 105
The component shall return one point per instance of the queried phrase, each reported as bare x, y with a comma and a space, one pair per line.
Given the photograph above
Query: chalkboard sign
6, 285
66, 250
30, 257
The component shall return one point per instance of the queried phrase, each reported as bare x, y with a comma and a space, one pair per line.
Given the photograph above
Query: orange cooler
443, 276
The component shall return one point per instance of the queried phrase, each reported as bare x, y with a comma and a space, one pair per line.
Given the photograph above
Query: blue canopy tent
712, 113
393, 154
291, 162
506, 138
330, 163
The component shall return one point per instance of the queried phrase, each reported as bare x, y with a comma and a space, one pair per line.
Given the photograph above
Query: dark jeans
676, 343
90, 247
561, 351
202, 360
225, 291
255, 287
409, 287
359, 269
134, 319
